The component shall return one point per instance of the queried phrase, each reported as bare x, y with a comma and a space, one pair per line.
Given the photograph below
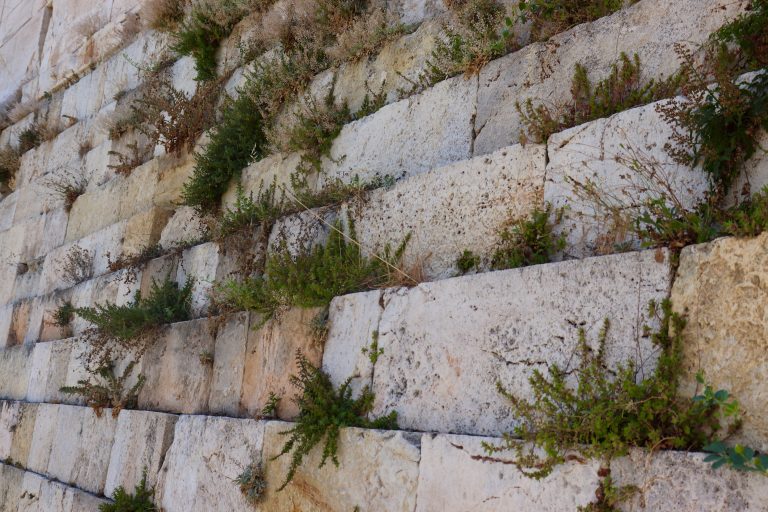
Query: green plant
739, 457
30, 138
207, 358
607, 412
63, 315
623, 89
608, 497
365, 36
748, 33
110, 392
139, 501
373, 351
246, 214
550, 17
164, 15
530, 241
323, 411
314, 277
253, 483
467, 261
335, 191
270, 409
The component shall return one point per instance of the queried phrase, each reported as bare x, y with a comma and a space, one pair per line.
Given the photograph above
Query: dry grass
365, 37
67, 185
163, 15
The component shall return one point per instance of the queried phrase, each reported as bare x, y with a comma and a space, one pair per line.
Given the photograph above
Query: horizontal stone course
25, 491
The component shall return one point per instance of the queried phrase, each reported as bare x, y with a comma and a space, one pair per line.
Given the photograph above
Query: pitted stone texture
29, 492
409, 137
378, 472
300, 232
82, 443
543, 71
205, 264
353, 320
206, 455
182, 227
270, 359
446, 344
452, 209
457, 475
259, 176
14, 371
682, 482
17, 424
48, 370
228, 365
721, 287
178, 377
141, 441
624, 160
46, 421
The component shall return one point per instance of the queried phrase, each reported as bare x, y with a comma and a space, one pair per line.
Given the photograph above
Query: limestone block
141, 441
54, 230
173, 173
14, 367
454, 208
260, 175
48, 370
446, 344
94, 210
157, 270
720, 286
228, 365
144, 229
754, 176
207, 454
183, 76
183, 226
409, 137
456, 474
353, 320
378, 471
415, 11
138, 189
205, 264
21, 27
35, 324
300, 232
17, 423
81, 448
543, 71
178, 378
11, 479
624, 159
46, 421
28, 283
6, 319
270, 359
49, 329
21, 320
8, 210
39, 494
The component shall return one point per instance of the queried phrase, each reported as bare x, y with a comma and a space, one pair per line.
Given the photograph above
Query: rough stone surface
207, 454
383, 464
228, 365
446, 344
24, 491
14, 364
141, 441
17, 424
452, 209
721, 287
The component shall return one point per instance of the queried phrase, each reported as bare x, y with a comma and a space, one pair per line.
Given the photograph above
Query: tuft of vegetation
67, 186
323, 411
373, 351
77, 265
550, 17
110, 392
608, 497
164, 15
270, 409
365, 36
247, 213
748, 34
10, 161
530, 241
30, 138
314, 277
139, 501
252, 483
623, 89
467, 262
606, 413
64, 314
335, 191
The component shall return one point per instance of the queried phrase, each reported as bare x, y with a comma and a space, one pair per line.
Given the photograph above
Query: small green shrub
139, 501
335, 191
10, 162
550, 17
314, 277
323, 411
739, 457
270, 409
110, 392
63, 315
623, 89
252, 483
748, 33
373, 351
606, 412
247, 214
30, 138
467, 262
608, 497
529, 241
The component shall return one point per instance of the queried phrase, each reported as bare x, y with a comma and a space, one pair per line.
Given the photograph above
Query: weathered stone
409, 137
456, 474
173, 173
48, 370
270, 359
378, 471
8, 210
205, 264
183, 226
144, 229
14, 363
720, 286
178, 377
46, 421
141, 441
93, 211
300, 232
603, 173
22, 25
228, 365
17, 423
207, 454
454, 208
446, 344
543, 71
82, 444
29, 492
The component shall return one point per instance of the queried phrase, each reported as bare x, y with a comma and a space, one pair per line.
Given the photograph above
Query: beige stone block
228, 365
17, 424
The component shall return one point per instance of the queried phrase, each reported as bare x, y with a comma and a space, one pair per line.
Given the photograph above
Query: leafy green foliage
739, 457
166, 303
247, 213
252, 483
467, 261
63, 315
316, 129
373, 351
623, 89
748, 33
139, 501
323, 411
334, 192
530, 241
110, 392
549, 17
314, 277
608, 497
270, 409
30, 138
606, 414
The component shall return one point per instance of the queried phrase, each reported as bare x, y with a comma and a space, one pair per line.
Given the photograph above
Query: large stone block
543, 71
205, 264
48, 369
454, 208
456, 474
270, 359
17, 424
378, 471
14, 370
206, 456
446, 344
141, 441
720, 287
603, 173
409, 137
229, 364
178, 374
29, 492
